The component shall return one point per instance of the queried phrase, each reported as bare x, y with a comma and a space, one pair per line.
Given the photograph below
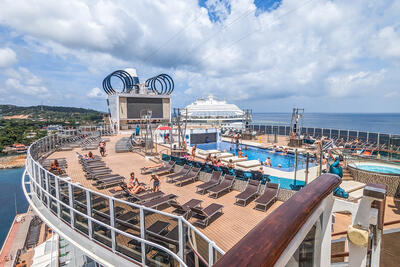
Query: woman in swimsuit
156, 182
133, 185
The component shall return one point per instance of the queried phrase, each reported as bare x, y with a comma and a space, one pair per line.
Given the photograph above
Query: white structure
126, 107
214, 112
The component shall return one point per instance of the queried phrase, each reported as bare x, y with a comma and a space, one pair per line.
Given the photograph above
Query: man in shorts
102, 148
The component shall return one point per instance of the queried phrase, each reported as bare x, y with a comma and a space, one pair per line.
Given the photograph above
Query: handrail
266, 242
47, 144
108, 226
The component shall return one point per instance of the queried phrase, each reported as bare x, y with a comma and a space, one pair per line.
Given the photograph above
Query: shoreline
12, 162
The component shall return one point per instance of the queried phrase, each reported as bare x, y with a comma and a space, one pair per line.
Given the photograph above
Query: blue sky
325, 56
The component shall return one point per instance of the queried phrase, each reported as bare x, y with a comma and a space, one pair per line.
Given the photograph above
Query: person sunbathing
231, 164
208, 159
153, 167
219, 163
91, 156
214, 160
133, 185
55, 167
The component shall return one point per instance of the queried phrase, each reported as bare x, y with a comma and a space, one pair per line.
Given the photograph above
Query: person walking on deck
102, 148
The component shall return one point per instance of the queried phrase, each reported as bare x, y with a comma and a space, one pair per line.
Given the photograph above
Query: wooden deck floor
227, 229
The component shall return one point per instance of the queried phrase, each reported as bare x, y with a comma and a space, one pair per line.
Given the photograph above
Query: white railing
57, 194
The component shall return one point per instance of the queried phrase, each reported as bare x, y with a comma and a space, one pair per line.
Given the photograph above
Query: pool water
261, 154
380, 169
285, 183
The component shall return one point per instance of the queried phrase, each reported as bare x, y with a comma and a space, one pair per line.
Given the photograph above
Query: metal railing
96, 216
374, 137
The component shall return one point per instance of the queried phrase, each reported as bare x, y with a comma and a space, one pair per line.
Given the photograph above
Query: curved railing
99, 217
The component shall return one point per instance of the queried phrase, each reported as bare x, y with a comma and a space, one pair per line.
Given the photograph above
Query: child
156, 182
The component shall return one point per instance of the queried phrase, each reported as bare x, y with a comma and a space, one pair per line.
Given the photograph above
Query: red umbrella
164, 128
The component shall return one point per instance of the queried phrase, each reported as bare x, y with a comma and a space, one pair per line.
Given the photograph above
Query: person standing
268, 162
156, 182
102, 148
137, 129
194, 151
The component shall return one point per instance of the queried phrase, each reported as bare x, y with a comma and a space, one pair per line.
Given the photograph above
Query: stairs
346, 175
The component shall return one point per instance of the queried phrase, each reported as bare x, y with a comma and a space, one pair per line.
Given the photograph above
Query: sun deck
227, 229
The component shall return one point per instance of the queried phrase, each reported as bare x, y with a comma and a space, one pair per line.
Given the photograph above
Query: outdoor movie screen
136, 104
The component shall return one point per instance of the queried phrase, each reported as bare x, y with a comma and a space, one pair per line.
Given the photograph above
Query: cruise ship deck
225, 230
117, 232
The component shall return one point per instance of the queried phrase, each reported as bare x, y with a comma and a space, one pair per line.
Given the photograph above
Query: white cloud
25, 82
354, 84
301, 49
7, 57
96, 93
387, 42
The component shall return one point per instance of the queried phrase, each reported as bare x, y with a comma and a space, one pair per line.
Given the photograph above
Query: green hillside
52, 113
28, 128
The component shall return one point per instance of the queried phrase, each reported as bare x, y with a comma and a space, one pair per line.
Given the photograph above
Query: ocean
10, 189
375, 122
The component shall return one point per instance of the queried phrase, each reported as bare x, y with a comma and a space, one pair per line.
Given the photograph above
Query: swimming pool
379, 168
261, 154
285, 183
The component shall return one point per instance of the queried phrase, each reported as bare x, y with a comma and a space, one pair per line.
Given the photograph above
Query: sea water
11, 198
374, 122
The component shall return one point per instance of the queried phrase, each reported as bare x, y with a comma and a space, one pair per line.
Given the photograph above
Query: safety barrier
98, 217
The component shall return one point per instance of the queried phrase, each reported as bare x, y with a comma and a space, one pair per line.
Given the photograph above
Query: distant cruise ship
214, 112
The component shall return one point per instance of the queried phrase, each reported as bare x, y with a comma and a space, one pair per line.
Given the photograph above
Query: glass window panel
335, 133
373, 138
318, 132
326, 132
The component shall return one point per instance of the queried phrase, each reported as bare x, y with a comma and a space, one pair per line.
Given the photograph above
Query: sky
266, 55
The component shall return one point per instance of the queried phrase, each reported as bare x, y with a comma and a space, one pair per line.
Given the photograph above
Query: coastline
12, 162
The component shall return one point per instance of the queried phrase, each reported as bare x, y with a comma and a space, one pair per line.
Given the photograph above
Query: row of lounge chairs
209, 168
186, 175
96, 170
217, 185
159, 199
62, 164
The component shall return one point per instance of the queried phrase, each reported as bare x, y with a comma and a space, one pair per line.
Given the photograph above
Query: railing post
112, 224
88, 212
324, 255
142, 235
211, 253
47, 189
71, 204
180, 236
57, 195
